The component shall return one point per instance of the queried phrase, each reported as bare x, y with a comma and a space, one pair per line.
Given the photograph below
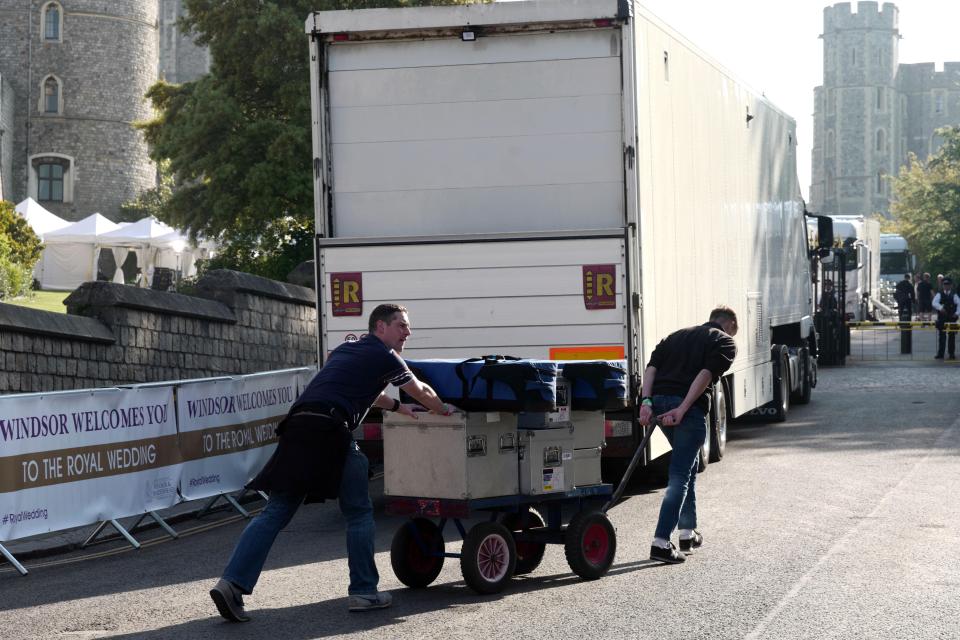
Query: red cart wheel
488, 558
529, 554
411, 565
590, 544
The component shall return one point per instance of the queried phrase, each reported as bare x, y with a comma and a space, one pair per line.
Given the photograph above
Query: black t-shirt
683, 354
904, 293
924, 291
352, 378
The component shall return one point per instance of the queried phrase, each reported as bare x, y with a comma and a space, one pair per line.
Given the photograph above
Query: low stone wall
116, 334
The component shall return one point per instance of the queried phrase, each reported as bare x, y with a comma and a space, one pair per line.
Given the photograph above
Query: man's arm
426, 396
646, 411
936, 303
697, 387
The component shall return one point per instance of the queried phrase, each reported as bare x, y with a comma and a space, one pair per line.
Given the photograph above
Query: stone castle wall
116, 334
6, 138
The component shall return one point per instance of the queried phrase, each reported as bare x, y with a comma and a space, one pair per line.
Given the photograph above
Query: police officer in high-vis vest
946, 303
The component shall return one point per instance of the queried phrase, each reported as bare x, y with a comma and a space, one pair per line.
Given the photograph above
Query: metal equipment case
546, 460
464, 456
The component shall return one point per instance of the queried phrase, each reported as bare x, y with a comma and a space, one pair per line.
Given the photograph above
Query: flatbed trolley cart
512, 541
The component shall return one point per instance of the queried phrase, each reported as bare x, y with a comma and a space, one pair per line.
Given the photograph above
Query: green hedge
19, 251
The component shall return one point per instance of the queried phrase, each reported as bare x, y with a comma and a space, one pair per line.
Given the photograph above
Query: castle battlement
867, 16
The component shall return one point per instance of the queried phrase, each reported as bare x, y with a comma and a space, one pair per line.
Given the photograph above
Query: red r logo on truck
346, 293
599, 286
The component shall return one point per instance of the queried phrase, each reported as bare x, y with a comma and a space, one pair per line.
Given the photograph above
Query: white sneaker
369, 601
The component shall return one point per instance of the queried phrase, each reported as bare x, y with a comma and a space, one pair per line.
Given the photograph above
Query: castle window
51, 98
52, 22
51, 177
880, 140
50, 183
938, 103
830, 142
879, 98
880, 182
853, 57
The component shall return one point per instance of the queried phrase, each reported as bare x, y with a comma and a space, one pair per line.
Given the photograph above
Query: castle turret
856, 129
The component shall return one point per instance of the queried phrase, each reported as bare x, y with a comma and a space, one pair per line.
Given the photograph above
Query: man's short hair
906, 276
383, 312
723, 312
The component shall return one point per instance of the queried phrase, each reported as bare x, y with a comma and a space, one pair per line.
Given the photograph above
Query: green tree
19, 251
927, 205
238, 140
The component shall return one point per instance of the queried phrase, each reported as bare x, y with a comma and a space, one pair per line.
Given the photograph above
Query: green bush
19, 251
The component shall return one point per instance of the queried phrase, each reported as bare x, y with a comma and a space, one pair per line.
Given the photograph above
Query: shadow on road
330, 617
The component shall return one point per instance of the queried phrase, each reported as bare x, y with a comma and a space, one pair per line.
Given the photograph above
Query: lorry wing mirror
824, 232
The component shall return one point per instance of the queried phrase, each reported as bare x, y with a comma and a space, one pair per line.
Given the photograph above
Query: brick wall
116, 334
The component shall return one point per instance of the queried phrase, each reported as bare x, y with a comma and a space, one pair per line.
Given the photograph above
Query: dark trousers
948, 339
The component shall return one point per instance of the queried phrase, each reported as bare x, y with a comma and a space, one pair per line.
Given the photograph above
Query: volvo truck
561, 180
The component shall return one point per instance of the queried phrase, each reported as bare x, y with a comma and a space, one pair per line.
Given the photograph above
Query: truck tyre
411, 565
802, 395
590, 543
529, 554
704, 457
488, 557
718, 426
781, 384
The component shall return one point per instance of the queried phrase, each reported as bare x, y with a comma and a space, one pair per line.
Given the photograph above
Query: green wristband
646, 401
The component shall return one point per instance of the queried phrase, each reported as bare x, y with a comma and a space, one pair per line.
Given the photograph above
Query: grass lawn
44, 300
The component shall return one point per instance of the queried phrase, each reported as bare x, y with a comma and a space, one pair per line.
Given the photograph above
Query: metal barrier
896, 341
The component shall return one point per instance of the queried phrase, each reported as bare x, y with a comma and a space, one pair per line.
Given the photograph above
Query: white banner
227, 429
74, 458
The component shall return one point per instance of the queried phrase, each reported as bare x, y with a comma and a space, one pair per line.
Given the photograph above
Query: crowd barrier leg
116, 525
9, 556
231, 500
160, 522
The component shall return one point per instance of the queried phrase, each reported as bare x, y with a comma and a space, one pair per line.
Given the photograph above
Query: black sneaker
938, 357
670, 556
688, 545
229, 601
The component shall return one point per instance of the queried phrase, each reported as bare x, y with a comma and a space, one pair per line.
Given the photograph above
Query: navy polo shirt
355, 374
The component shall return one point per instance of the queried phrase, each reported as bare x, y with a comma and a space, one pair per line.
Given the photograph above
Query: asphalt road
840, 523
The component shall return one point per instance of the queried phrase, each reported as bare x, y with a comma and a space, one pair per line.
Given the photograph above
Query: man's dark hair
723, 313
906, 276
383, 312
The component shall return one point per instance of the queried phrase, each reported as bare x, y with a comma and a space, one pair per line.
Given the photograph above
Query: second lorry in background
556, 180
860, 237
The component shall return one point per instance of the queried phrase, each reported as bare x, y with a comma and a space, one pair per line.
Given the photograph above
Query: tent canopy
39, 219
143, 231
87, 230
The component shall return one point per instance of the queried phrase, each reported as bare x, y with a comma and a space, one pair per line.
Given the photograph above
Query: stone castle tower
73, 74
871, 111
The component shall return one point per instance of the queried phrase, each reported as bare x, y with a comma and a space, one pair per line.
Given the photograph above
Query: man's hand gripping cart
515, 528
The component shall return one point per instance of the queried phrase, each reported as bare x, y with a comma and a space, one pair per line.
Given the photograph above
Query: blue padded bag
492, 383
597, 384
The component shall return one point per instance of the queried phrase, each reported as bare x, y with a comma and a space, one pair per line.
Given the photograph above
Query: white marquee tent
39, 219
70, 254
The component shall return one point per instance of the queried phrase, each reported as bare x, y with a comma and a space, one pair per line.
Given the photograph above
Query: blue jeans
679, 508
251, 551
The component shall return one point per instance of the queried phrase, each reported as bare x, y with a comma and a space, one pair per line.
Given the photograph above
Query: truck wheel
781, 384
704, 456
590, 544
718, 428
488, 557
802, 395
529, 554
411, 565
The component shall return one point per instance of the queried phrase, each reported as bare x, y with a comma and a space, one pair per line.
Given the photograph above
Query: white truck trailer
861, 237
563, 180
